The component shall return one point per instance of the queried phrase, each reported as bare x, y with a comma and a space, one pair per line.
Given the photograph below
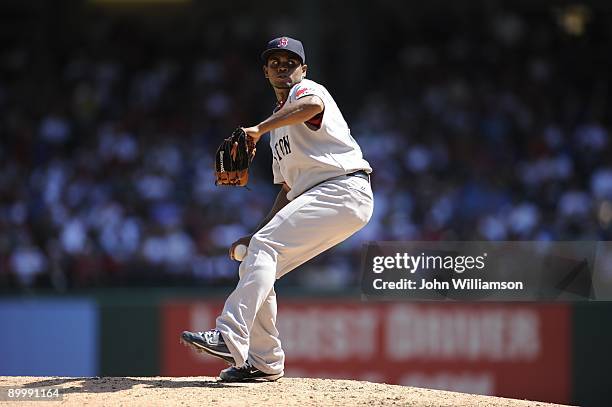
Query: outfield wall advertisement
510, 350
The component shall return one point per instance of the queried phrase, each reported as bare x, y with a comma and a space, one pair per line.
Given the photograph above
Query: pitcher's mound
207, 391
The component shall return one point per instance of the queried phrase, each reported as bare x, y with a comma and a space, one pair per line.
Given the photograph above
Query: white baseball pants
313, 222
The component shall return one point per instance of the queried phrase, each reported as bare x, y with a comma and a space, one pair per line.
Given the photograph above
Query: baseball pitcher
324, 198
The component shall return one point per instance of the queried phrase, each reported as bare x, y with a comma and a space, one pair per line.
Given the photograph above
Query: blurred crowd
482, 126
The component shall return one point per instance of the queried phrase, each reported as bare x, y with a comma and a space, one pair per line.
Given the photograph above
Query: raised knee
259, 242
256, 243
261, 252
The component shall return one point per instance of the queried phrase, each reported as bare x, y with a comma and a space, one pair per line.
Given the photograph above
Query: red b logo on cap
283, 42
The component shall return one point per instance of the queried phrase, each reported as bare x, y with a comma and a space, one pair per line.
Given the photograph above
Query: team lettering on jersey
282, 147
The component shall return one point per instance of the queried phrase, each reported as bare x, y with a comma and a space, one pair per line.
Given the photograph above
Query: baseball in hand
239, 252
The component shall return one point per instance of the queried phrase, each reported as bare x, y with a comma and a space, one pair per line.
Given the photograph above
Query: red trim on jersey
301, 92
315, 121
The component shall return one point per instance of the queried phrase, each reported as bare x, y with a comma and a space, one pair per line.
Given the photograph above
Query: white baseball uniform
326, 207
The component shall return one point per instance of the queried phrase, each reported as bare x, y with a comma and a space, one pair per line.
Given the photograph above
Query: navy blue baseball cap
284, 44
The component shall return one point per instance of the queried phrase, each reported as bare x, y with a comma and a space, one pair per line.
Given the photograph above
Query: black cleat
247, 373
210, 342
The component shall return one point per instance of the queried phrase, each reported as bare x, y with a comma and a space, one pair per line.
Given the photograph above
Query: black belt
360, 174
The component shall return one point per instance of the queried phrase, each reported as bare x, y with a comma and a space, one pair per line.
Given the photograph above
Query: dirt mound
207, 391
